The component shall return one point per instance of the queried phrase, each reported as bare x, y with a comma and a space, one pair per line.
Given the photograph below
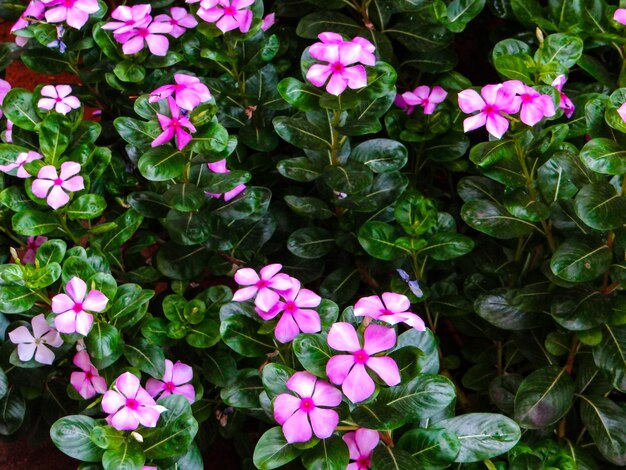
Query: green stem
335, 141
489, 464
67, 230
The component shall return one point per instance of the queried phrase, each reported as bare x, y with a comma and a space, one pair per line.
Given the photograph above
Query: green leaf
420, 37
203, 335
560, 48
604, 156
4, 384
54, 136
350, 178
16, 299
162, 163
107, 437
378, 239
136, 132
315, 23
87, 207
129, 456
544, 397
600, 206
482, 435
499, 307
12, 411
302, 96
240, 334
604, 419
128, 71
431, 447
516, 67
43, 277
300, 132
445, 246
185, 197
487, 154
298, 169
310, 207
71, 435
341, 284
129, 306
105, 344
311, 242
461, 12
381, 155
212, 139
328, 454
51, 251
491, 218
313, 352
32, 222
275, 377
580, 260
610, 354
19, 107
273, 451
146, 357
392, 458
521, 204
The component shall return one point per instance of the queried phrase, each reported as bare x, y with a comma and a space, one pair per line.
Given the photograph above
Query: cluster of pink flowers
345, 62
75, 13
226, 14
422, 96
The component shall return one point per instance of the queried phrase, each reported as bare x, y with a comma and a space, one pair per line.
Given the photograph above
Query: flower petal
386, 368
297, 428
82, 361
324, 422
125, 420
57, 198
148, 415
396, 302
66, 322
181, 373
308, 320
84, 321
358, 385
326, 395
366, 440
371, 306
285, 405
286, 328
303, 383
470, 101
127, 384
25, 351
378, 338
43, 355
342, 337
76, 289
112, 401
21, 335
41, 187
338, 367
246, 277
40, 325
95, 301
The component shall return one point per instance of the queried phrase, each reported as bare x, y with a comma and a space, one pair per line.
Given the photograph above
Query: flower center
38, 341
169, 387
132, 403
307, 405
58, 99
361, 357
337, 67
526, 98
68, 3
261, 284
290, 306
174, 22
143, 32
78, 307
88, 375
425, 102
363, 462
489, 109
58, 182
229, 11
386, 312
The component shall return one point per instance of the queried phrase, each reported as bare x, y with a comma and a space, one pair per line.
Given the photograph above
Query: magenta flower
297, 314
32, 245
319, 49
34, 11
534, 105
48, 178
348, 370
179, 19
268, 21
137, 16
204, 3
8, 134
425, 97
495, 100
190, 91
220, 167
361, 444
58, 97
403, 105
566, 104
174, 382
228, 14
37, 343
306, 414
71, 309
5, 87
74, 12
620, 15
87, 383
265, 286
392, 308
151, 34
174, 127
129, 405
24, 157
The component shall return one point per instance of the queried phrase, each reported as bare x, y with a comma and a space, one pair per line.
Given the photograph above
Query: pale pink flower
220, 167
53, 186
174, 382
24, 157
268, 21
534, 105
392, 308
129, 405
173, 127
87, 383
74, 12
495, 100
190, 91
297, 313
8, 134
620, 15
58, 97
152, 34
37, 343
71, 308
137, 16
266, 285
35, 10
622, 111
180, 20
306, 413
32, 245
425, 97
566, 104
361, 444
349, 370
228, 14
5, 87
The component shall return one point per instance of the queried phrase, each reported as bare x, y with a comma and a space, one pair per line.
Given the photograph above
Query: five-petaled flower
16, 168
566, 104
88, 382
52, 186
36, 343
534, 105
32, 245
361, 444
128, 18
74, 12
71, 308
266, 285
174, 127
175, 381
220, 167
59, 98
392, 308
190, 91
348, 370
180, 20
496, 100
130, 405
425, 97
306, 414
228, 14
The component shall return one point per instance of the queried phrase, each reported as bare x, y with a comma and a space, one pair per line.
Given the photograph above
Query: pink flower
24, 157
129, 405
495, 100
204, 3
8, 134
71, 309
620, 15
137, 16
268, 21
190, 91
174, 382
297, 316
348, 370
74, 12
47, 178
361, 444
263, 285
5, 87
392, 309
58, 97
32, 245
220, 167
534, 105
87, 383
37, 345
35, 10
423, 96
622, 111
174, 127
180, 20
228, 14
319, 49
403, 105
566, 104
303, 415
151, 34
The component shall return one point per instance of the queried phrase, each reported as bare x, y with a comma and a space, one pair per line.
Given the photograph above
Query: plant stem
335, 142
489, 464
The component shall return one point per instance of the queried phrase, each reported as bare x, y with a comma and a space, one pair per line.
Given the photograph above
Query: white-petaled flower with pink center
129, 405
36, 344
392, 308
24, 157
228, 14
58, 97
266, 285
361, 444
32, 245
180, 20
52, 186
137, 16
220, 167
174, 382
425, 97
190, 91
307, 413
87, 383
349, 370
74, 12
71, 308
